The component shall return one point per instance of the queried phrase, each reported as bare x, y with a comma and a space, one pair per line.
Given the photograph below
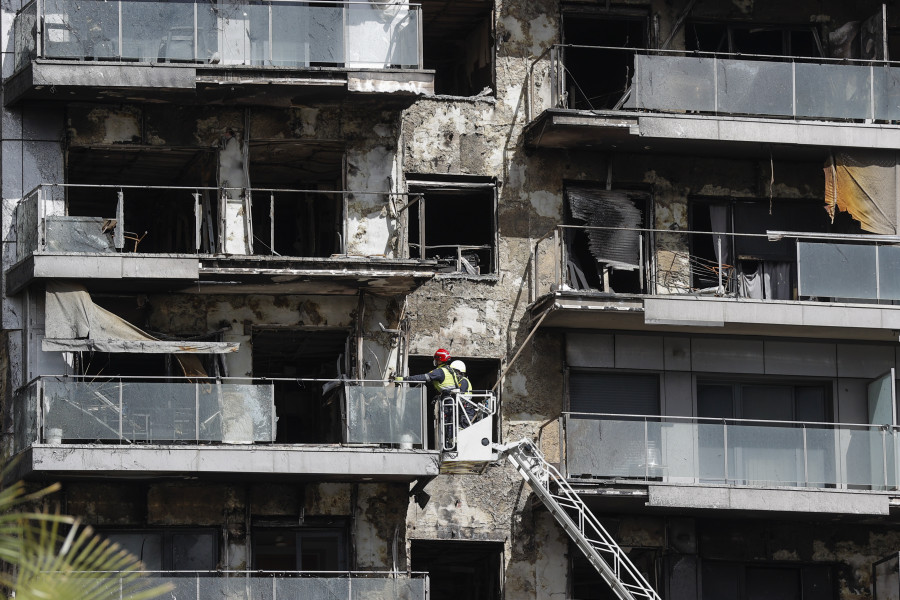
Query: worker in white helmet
465, 388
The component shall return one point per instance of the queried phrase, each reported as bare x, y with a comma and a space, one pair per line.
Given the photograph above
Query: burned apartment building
663, 233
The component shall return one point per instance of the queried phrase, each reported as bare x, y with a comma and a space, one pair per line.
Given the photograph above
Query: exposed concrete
306, 462
818, 502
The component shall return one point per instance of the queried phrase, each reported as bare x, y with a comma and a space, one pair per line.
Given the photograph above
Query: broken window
458, 45
752, 38
460, 570
170, 550
279, 548
454, 223
596, 78
752, 266
774, 581
307, 222
607, 251
307, 411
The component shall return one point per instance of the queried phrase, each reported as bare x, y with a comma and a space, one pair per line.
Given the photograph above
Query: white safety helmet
458, 365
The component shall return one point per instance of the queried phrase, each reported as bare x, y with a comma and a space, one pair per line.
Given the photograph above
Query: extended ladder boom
582, 526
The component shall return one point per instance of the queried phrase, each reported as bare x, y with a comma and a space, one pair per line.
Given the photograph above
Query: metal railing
309, 33
777, 265
58, 410
459, 411
280, 585
722, 84
43, 225
732, 451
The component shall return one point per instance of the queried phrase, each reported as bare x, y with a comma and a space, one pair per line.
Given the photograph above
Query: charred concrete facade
224, 227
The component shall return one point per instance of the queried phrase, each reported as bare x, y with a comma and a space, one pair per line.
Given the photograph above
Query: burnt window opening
766, 581
597, 78
308, 412
309, 548
482, 373
458, 45
460, 570
456, 226
753, 267
586, 582
307, 223
170, 549
752, 38
608, 252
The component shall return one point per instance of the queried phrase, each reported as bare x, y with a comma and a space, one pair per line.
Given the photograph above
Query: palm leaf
57, 558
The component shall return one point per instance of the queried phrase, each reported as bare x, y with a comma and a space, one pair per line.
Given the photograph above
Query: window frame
418, 187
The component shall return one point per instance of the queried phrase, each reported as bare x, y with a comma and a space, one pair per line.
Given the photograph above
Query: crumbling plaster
375, 511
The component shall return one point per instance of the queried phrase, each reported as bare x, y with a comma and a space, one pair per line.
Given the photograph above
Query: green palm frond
57, 558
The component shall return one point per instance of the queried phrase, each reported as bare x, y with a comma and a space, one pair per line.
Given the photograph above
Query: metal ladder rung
626, 582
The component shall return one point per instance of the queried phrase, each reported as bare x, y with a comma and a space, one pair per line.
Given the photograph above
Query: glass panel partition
27, 211
25, 32
731, 452
138, 411
754, 87
190, 585
771, 87
282, 34
385, 414
674, 83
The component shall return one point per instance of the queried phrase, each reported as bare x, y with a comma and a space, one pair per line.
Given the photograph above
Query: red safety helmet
441, 357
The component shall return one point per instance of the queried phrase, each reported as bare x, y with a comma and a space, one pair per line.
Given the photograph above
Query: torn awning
74, 323
864, 184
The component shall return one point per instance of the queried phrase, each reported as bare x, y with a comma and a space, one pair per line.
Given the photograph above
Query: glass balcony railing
263, 585
139, 219
725, 84
58, 410
352, 35
732, 451
775, 265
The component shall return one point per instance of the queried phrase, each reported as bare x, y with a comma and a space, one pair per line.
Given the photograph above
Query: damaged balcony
249, 585
703, 102
229, 51
795, 284
78, 426
240, 239
740, 464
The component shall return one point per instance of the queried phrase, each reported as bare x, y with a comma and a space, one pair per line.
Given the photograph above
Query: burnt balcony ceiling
274, 162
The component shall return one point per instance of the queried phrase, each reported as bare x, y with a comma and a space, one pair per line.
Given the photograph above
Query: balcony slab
728, 498
702, 134
129, 267
332, 463
710, 315
93, 81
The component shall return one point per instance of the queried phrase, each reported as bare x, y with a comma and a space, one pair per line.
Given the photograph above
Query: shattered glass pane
159, 412
77, 234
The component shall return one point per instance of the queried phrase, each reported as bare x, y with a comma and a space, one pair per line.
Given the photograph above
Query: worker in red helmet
446, 381
443, 378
